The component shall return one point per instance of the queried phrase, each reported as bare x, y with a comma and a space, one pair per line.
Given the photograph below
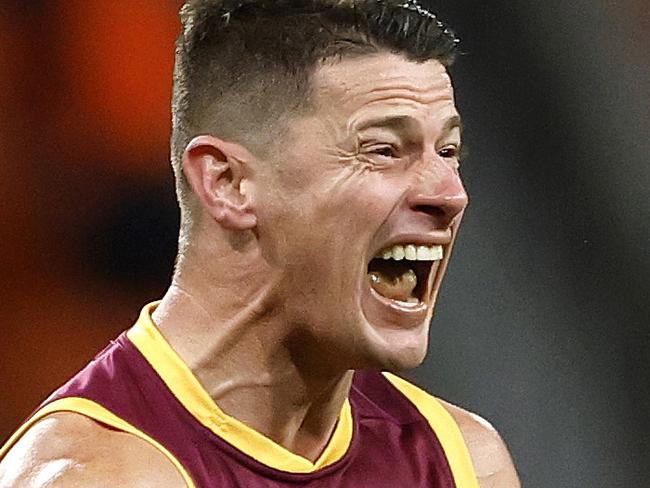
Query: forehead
377, 83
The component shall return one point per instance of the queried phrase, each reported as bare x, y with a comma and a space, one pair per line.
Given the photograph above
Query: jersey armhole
96, 412
445, 428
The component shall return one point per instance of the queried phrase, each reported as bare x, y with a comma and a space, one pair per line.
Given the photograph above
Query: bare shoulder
66, 450
490, 456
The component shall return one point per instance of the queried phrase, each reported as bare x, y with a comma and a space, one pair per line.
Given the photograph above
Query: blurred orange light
117, 59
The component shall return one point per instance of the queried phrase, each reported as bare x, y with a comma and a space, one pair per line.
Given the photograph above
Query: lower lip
397, 305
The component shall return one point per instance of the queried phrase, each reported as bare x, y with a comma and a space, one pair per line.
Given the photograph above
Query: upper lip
434, 238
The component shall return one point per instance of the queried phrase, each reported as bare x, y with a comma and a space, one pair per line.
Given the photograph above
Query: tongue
396, 283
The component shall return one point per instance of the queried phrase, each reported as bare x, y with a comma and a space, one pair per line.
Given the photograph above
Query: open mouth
402, 272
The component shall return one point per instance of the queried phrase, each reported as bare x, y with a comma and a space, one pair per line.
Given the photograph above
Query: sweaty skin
272, 306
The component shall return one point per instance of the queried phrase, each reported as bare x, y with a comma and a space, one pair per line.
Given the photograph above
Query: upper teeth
412, 252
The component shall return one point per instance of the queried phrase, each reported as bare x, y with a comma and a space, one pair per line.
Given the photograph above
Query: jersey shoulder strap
445, 428
98, 413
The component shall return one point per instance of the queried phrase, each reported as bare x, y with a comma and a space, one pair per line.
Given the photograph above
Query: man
316, 151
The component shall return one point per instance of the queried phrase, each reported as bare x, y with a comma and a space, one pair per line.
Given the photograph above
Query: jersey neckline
187, 389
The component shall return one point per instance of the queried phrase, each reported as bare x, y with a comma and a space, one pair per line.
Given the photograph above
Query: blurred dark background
543, 324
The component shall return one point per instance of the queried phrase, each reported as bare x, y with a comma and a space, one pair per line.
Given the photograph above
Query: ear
215, 170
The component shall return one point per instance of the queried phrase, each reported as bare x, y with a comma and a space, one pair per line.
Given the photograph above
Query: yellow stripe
189, 391
445, 427
96, 412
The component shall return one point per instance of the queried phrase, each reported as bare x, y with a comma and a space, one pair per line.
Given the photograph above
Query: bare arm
67, 450
492, 461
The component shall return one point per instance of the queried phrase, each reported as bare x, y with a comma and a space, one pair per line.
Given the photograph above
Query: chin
404, 362
397, 349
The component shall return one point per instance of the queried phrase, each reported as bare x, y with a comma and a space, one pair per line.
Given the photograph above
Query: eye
383, 150
386, 151
450, 152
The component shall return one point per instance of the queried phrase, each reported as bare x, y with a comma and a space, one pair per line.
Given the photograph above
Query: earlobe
215, 170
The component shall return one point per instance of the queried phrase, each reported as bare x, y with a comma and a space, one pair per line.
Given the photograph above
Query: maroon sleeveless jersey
389, 433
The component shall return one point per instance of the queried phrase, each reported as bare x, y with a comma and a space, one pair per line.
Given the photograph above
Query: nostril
442, 208
433, 210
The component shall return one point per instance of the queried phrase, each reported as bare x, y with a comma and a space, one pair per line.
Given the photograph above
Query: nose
442, 197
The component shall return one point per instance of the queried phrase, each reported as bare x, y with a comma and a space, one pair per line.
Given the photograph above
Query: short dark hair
243, 66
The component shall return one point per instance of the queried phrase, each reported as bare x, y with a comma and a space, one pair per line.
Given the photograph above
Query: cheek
374, 195
330, 210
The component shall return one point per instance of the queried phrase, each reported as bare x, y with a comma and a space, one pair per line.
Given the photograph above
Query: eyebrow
453, 123
395, 122
406, 122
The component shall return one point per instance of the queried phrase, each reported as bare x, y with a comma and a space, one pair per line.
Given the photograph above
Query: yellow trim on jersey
445, 427
95, 411
189, 391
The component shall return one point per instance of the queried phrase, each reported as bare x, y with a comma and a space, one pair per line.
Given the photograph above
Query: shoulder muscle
492, 461
69, 450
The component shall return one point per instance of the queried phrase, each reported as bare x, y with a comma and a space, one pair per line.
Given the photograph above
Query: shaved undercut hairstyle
243, 68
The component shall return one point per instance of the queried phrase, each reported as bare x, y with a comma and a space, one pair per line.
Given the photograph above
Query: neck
242, 353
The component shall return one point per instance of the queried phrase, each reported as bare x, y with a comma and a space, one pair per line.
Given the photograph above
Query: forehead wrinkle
412, 83
406, 91
391, 101
414, 113
387, 85
384, 71
406, 99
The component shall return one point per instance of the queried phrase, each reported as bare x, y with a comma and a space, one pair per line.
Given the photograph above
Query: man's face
358, 212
